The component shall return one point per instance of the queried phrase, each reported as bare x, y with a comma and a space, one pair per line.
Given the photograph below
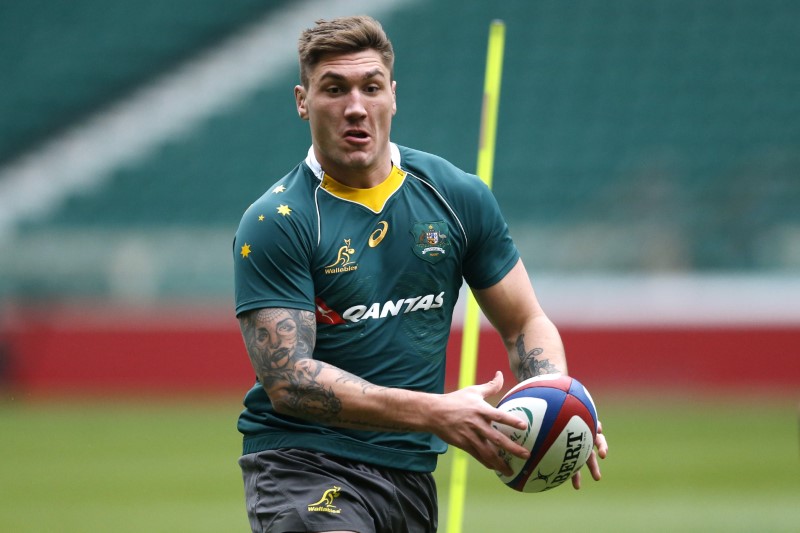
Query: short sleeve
491, 253
272, 257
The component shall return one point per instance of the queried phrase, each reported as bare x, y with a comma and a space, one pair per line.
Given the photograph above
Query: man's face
349, 103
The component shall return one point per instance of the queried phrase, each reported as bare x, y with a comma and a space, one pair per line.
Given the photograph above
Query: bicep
280, 343
276, 340
510, 303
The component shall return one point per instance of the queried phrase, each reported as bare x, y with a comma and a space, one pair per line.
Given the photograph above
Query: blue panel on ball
555, 399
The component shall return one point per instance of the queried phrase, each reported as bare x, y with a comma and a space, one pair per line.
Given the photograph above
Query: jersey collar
374, 198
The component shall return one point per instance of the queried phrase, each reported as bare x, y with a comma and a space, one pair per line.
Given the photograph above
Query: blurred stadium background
648, 162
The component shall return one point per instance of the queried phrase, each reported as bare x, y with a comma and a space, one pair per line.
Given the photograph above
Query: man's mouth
357, 134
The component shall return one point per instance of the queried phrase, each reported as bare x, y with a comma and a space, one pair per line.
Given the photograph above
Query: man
347, 272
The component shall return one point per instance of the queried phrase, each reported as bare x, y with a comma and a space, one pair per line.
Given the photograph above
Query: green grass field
170, 466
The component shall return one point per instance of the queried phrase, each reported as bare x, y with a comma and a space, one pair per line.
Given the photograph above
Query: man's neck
361, 179
357, 178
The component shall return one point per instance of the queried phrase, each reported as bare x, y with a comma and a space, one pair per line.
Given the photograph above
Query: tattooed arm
532, 341
280, 343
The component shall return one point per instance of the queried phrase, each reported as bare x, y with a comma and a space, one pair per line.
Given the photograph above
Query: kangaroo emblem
343, 257
326, 502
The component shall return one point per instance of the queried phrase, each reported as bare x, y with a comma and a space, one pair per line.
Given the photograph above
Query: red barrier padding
185, 350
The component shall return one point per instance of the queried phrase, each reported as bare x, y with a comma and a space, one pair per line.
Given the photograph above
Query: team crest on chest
431, 241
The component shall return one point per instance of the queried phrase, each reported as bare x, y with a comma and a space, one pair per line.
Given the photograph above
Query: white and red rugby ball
562, 426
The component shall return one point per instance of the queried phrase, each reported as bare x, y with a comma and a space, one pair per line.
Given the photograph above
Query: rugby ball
562, 425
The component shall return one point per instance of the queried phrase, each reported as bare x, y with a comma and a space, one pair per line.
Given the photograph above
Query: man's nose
355, 105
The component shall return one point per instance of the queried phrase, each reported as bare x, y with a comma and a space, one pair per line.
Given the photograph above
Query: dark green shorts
300, 490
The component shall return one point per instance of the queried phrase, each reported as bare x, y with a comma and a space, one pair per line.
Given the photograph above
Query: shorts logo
325, 504
344, 262
430, 240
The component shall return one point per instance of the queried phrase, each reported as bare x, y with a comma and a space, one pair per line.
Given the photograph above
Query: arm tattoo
530, 364
365, 385
280, 343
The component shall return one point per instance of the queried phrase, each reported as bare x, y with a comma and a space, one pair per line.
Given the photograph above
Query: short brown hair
343, 35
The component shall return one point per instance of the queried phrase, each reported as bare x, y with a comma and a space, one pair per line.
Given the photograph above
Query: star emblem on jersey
279, 189
245, 250
284, 210
431, 241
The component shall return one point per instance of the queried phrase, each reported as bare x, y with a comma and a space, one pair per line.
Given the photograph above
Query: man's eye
334, 90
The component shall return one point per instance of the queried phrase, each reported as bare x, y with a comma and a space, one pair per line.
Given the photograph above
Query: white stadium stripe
668, 300
130, 129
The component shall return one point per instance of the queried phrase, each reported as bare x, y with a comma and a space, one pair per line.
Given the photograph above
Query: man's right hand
464, 418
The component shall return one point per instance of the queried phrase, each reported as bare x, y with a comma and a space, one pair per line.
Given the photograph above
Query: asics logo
377, 236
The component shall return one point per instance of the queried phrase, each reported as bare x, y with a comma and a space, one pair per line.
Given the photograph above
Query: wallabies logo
325, 504
431, 241
344, 261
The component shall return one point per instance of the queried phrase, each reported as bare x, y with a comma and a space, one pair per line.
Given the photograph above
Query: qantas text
404, 305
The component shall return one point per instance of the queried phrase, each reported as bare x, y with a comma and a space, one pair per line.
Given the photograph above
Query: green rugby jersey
381, 268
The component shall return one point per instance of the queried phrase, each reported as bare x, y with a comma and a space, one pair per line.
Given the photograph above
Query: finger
602, 445
494, 448
576, 481
508, 419
594, 466
500, 465
600, 442
493, 386
500, 416
489, 456
502, 441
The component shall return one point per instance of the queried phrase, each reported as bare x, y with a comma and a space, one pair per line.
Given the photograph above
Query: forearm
317, 391
536, 349
531, 339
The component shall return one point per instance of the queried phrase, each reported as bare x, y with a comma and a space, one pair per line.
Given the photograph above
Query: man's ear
300, 101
